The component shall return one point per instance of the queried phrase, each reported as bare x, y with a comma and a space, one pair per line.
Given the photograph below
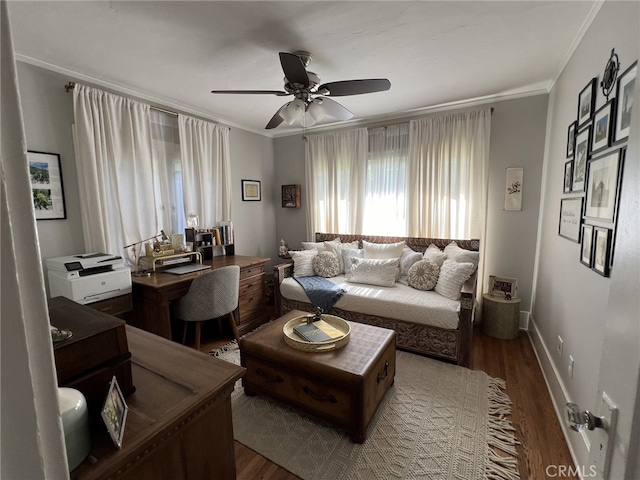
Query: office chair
211, 295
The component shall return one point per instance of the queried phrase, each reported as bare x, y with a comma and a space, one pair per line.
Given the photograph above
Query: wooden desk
152, 296
179, 424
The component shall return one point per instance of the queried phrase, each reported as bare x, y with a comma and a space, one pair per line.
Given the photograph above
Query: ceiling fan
311, 103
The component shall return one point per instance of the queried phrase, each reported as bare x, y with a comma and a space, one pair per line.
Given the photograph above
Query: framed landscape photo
603, 185
571, 139
503, 287
251, 191
570, 218
114, 413
624, 95
583, 141
46, 185
601, 250
587, 243
602, 127
568, 176
586, 102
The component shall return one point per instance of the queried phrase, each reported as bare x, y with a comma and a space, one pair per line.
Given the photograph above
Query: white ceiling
175, 52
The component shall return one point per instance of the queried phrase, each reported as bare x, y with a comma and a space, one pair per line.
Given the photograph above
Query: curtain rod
72, 85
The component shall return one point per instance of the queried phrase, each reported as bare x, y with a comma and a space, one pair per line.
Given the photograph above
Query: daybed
424, 321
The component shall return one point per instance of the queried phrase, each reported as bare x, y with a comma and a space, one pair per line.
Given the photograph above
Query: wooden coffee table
343, 387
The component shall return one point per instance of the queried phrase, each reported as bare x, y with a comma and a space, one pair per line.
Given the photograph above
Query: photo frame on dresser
586, 102
624, 96
603, 121
114, 412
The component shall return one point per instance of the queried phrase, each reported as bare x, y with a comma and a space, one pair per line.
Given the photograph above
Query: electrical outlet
559, 346
602, 439
570, 366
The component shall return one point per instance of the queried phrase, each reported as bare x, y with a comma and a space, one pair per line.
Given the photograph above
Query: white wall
571, 300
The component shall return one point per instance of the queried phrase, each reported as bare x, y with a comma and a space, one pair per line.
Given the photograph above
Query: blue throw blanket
322, 292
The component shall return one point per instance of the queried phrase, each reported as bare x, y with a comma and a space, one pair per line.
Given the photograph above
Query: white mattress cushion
400, 302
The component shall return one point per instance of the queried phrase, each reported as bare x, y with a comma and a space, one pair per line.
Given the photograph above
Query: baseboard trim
578, 443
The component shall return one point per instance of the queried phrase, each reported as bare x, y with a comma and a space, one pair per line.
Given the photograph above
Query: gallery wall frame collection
593, 171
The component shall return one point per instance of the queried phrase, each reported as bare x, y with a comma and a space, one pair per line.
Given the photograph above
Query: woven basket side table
500, 317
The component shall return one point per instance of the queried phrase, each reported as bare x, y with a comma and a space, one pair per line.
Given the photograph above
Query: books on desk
319, 331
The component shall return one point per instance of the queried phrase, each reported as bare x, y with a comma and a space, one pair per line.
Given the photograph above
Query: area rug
437, 422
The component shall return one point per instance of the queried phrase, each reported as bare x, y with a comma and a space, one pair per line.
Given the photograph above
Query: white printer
89, 277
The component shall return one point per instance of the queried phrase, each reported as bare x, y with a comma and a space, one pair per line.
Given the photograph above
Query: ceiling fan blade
334, 109
277, 118
294, 69
254, 92
355, 87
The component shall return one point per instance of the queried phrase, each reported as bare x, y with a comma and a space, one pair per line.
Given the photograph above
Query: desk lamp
139, 273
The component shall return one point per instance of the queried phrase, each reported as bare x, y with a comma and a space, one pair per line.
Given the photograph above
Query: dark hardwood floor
542, 446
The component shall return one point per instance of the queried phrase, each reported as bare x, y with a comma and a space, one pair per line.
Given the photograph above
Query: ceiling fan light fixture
317, 111
293, 111
307, 120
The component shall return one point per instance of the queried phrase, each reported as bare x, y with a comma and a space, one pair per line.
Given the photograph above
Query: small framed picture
570, 218
251, 191
601, 249
46, 185
602, 127
513, 189
503, 287
587, 102
624, 95
114, 413
568, 176
583, 141
290, 196
571, 140
587, 243
603, 183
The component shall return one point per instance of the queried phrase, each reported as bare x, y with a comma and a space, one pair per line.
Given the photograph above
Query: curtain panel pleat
336, 168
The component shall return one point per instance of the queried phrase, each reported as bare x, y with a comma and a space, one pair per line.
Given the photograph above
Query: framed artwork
503, 287
571, 139
513, 189
251, 191
587, 243
290, 196
568, 176
624, 95
46, 185
602, 187
570, 218
114, 413
583, 140
587, 102
602, 127
601, 249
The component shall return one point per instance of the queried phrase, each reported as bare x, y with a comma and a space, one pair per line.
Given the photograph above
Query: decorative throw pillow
408, 258
461, 255
337, 249
452, 277
382, 250
373, 271
423, 275
434, 254
348, 254
326, 264
303, 262
319, 246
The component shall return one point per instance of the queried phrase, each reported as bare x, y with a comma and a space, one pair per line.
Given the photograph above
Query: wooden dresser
152, 296
179, 424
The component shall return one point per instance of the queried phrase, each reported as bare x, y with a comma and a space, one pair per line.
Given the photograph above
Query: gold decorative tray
292, 339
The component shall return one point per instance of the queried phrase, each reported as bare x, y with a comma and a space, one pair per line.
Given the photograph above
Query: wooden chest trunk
344, 387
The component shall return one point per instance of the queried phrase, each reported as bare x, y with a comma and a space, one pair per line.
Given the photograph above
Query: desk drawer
251, 285
251, 271
251, 305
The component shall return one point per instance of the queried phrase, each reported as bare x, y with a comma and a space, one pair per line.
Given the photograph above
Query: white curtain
206, 169
336, 181
448, 175
385, 210
115, 170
